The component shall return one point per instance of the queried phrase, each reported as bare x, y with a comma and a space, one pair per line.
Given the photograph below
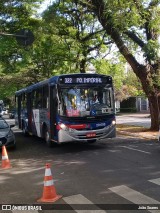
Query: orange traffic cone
49, 191
5, 159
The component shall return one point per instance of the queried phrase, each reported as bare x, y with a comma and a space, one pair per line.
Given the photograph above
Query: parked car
12, 113
7, 136
4, 111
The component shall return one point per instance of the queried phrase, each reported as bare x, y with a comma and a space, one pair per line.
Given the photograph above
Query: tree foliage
73, 34
14, 15
83, 35
134, 26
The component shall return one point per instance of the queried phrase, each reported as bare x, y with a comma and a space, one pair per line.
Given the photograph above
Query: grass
131, 128
138, 130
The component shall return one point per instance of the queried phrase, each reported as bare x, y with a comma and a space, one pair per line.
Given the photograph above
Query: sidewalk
142, 135
136, 114
133, 128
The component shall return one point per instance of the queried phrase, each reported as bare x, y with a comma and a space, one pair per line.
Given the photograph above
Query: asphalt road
116, 171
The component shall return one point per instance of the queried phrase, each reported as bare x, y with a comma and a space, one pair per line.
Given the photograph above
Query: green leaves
69, 38
151, 50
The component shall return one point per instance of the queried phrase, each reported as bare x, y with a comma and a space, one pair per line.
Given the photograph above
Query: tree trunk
82, 66
145, 76
154, 111
146, 73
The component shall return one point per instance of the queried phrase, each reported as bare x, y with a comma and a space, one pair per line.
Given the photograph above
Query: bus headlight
113, 122
63, 126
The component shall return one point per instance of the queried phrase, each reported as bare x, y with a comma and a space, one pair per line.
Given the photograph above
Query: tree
79, 29
114, 69
14, 15
134, 27
125, 81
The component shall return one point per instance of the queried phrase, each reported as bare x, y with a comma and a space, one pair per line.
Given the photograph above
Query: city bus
66, 108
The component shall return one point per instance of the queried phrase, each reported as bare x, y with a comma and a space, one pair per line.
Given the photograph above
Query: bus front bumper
86, 135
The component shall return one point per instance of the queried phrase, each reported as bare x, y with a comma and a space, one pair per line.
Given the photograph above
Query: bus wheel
24, 130
47, 138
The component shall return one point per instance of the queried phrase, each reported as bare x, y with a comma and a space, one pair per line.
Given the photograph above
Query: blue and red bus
67, 108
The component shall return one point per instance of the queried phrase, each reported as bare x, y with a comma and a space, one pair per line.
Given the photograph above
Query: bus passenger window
45, 97
33, 101
38, 98
23, 101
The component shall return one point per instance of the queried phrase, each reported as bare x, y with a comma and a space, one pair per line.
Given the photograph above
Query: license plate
91, 135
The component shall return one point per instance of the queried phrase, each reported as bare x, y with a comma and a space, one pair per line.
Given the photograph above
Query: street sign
24, 37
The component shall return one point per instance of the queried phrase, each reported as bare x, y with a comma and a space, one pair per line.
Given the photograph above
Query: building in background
135, 104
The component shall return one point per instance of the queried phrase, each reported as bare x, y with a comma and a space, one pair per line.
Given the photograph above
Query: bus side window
45, 97
33, 99
38, 97
24, 101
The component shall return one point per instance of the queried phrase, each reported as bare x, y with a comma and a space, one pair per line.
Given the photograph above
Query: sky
45, 5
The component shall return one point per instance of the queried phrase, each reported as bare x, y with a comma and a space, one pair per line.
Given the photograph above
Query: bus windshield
82, 102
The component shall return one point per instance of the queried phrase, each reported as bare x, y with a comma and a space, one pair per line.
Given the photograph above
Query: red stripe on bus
77, 126
73, 126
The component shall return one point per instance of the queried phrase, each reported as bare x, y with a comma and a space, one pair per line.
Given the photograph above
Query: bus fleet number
68, 80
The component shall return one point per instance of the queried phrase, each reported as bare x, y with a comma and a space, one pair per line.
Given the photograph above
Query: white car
7, 137
4, 112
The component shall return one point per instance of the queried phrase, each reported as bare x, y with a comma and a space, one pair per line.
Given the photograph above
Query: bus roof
55, 80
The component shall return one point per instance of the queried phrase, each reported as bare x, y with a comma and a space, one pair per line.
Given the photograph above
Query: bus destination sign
85, 80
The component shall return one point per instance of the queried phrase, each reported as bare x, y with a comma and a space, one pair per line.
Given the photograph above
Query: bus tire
47, 138
24, 130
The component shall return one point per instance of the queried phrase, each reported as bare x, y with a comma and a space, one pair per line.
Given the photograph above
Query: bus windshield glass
88, 101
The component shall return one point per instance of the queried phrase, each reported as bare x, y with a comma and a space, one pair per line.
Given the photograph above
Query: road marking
80, 199
156, 181
134, 196
138, 150
25, 211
